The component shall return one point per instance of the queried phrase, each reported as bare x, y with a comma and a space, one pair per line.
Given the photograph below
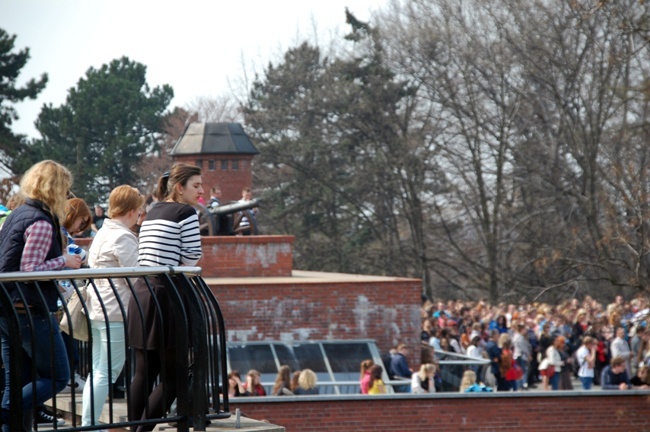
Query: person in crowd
169, 236
31, 239
215, 197
533, 368
507, 364
586, 358
567, 360
641, 379
636, 345
620, 348
501, 324
434, 340
282, 386
247, 223
427, 330
12, 203
468, 380
422, 381
77, 220
235, 386
452, 337
307, 383
364, 379
474, 351
253, 386
493, 352
555, 359
114, 245
294, 381
614, 376
98, 220
580, 327
523, 353
400, 367
377, 385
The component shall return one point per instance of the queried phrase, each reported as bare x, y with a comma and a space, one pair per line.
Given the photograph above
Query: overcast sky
195, 46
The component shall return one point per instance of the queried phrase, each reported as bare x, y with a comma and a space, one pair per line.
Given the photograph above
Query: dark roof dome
214, 138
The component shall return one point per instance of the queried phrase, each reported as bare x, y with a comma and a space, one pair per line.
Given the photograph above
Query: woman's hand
72, 261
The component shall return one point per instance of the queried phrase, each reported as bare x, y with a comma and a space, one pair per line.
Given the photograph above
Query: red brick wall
470, 413
246, 256
241, 256
231, 181
335, 307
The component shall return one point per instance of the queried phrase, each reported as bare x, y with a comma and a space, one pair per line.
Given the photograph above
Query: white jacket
554, 358
115, 245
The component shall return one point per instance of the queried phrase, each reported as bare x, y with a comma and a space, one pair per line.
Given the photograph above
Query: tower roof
214, 138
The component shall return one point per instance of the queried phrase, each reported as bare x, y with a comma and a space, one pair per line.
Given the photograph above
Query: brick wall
231, 180
241, 256
246, 256
338, 307
618, 412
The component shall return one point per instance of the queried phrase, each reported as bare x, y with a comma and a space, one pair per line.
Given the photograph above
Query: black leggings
145, 376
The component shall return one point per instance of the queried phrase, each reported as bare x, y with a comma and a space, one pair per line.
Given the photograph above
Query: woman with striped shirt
169, 236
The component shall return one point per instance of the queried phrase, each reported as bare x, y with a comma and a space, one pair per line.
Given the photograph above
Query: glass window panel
309, 356
245, 358
286, 356
347, 357
212, 165
235, 164
224, 165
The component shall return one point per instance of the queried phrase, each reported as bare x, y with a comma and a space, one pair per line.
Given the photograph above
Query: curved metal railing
199, 342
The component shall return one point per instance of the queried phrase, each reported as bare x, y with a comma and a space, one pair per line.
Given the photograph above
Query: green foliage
12, 146
109, 121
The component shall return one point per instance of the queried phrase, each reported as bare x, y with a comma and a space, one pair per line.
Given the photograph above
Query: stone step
64, 408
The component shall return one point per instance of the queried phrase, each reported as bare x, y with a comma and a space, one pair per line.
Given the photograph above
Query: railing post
10, 315
198, 322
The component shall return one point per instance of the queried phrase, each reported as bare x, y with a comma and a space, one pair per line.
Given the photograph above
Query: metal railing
198, 341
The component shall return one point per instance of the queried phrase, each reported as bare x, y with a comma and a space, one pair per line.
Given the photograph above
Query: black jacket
12, 245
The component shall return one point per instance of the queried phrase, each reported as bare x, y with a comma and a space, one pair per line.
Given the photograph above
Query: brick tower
223, 151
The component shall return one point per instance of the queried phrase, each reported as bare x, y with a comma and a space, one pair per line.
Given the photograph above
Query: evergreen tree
11, 63
109, 121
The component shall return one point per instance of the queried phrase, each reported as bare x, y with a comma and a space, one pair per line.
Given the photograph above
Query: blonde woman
422, 381
468, 380
307, 383
31, 239
114, 245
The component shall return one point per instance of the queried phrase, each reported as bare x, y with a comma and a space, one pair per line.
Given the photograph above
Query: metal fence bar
199, 341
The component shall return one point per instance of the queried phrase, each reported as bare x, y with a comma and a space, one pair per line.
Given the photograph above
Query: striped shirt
170, 236
38, 240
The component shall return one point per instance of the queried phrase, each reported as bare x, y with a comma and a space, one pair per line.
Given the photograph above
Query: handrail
86, 273
200, 337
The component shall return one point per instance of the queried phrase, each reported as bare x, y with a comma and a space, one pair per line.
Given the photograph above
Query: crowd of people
540, 344
300, 382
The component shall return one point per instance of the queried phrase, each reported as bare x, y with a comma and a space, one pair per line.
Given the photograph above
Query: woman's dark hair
179, 174
375, 372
